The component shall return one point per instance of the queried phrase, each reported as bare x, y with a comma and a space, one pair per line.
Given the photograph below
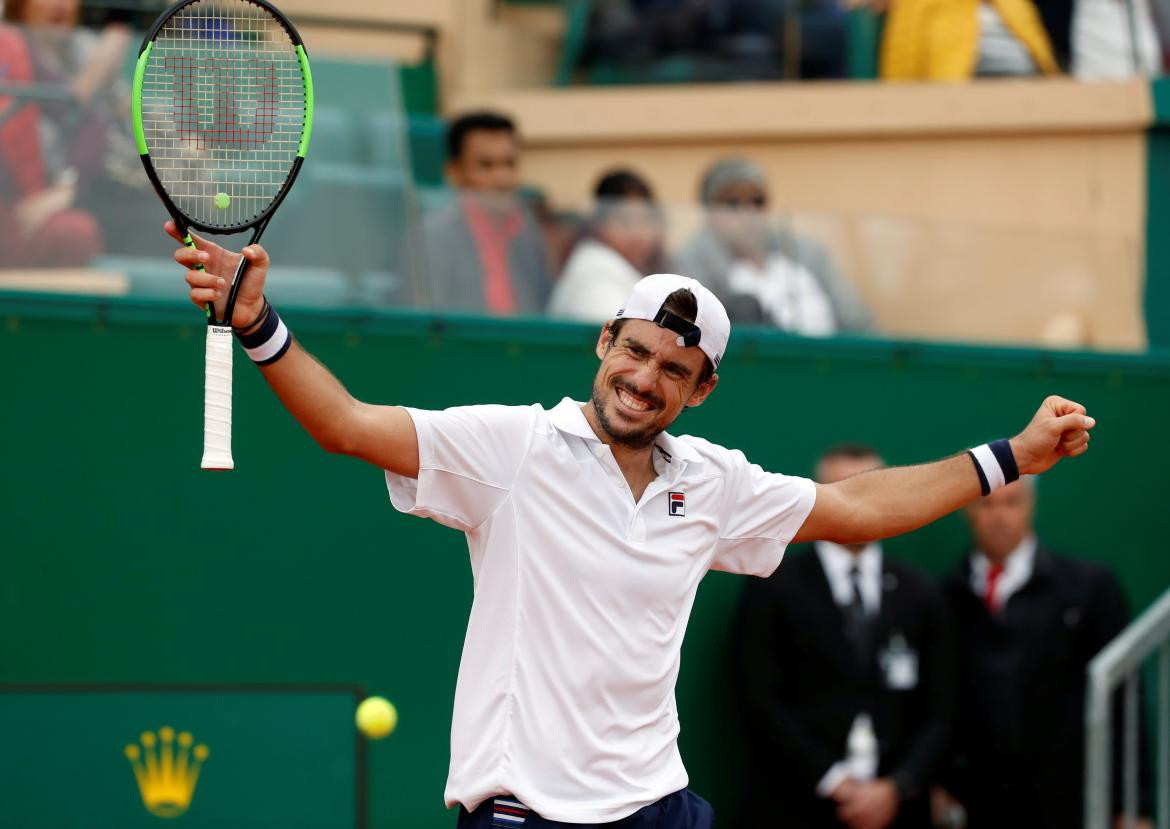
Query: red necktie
993, 574
493, 237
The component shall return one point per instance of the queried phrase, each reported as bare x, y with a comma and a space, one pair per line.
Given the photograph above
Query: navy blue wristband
984, 486
1002, 449
269, 342
995, 464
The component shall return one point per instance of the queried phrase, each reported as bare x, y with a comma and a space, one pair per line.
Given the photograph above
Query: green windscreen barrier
81, 758
123, 562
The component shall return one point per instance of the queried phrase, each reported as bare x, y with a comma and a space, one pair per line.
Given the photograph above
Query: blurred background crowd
430, 205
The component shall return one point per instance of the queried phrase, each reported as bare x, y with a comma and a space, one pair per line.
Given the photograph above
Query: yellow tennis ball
376, 717
222, 200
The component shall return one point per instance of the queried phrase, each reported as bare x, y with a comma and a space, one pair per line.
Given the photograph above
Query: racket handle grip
217, 399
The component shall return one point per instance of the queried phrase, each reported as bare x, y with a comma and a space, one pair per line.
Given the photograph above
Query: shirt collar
837, 560
479, 218
1017, 566
568, 417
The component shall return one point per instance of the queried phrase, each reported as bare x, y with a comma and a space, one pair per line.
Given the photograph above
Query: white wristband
995, 464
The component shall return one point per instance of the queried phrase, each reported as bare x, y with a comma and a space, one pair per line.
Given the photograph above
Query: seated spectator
1093, 40
561, 229
1108, 44
1028, 622
483, 251
86, 137
954, 40
623, 244
38, 225
661, 41
763, 274
847, 674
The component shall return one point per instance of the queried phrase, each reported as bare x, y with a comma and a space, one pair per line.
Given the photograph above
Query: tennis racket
223, 110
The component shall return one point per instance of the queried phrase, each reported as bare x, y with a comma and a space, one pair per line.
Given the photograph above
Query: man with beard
589, 528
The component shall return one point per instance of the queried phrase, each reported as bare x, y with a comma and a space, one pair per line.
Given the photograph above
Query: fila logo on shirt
676, 503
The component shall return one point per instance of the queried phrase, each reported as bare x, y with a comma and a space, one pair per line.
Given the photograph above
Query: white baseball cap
711, 329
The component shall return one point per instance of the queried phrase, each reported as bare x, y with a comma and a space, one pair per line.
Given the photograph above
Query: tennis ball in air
222, 200
376, 717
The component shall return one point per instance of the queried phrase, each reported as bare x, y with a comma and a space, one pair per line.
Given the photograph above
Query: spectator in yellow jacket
954, 40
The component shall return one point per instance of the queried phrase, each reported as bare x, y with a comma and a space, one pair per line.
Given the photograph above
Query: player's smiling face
645, 380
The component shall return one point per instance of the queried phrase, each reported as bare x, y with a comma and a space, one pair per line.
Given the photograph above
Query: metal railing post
1163, 732
1098, 753
1120, 662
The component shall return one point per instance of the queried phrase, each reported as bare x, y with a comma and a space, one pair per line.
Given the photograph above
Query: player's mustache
649, 397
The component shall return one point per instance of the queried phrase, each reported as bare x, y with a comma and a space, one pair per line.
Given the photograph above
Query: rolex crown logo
166, 772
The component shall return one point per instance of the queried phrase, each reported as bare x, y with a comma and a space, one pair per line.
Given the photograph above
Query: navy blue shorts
681, 810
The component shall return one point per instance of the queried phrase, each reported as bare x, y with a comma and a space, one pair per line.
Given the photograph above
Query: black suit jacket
1019, 751
802, 687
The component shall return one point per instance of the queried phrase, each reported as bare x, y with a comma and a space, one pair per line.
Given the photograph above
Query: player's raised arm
888, 502
382, 435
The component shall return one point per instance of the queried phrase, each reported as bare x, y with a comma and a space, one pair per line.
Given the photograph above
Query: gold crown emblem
166, 776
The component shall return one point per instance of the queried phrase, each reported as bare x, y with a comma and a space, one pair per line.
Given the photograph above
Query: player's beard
635, 438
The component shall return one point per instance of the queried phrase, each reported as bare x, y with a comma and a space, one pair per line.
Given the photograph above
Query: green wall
123, 562
276, 758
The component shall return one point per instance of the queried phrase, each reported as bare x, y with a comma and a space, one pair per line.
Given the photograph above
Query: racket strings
223, 110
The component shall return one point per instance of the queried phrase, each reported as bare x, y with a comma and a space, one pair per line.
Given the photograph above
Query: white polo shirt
565, 696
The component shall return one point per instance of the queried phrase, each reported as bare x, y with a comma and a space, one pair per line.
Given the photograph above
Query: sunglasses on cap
689, 333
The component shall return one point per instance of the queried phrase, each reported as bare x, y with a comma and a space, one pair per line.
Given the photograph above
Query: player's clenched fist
1059, 429
219, 265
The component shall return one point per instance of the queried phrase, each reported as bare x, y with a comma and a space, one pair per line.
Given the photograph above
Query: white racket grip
217, 399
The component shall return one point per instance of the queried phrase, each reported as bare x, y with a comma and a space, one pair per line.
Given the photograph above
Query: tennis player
589, 528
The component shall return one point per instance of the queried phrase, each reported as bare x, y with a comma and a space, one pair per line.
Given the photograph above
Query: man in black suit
1028, 623
847, 674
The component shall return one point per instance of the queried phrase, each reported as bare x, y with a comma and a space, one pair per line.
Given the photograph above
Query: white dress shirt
1017, 569
838, 562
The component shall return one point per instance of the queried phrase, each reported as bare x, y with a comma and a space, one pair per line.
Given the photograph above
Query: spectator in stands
1029, 622
1108, 44
484, 252
764, 274
1092, 39
847, 672
953, 40
38, 225
561, 229
86, 144
657, 41
623, 244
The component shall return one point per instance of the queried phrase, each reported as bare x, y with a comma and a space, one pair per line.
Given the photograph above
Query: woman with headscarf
763, 274
623, 244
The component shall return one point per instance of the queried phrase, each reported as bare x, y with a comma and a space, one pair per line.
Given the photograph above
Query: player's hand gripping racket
223, 110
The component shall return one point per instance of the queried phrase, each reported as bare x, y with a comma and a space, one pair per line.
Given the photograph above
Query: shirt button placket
637, 527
